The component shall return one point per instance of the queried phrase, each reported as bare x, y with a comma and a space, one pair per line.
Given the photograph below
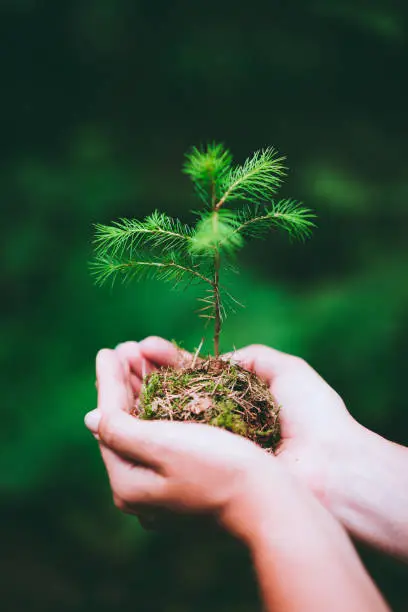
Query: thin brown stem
213, 196
217, 305
216, 283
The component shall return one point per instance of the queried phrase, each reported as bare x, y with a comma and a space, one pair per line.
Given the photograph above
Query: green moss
228, 419
151, 390
216, 393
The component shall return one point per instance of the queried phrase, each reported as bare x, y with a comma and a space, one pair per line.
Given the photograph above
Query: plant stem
216, 284
213, 196
217, 305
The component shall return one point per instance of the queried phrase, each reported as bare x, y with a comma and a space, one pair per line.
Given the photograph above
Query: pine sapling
208, 390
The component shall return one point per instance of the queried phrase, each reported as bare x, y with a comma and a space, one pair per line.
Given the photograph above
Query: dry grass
215, 392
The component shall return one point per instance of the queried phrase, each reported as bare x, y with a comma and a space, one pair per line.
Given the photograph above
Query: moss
227, 419
214, 392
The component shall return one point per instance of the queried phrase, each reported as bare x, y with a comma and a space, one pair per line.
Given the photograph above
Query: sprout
165, 248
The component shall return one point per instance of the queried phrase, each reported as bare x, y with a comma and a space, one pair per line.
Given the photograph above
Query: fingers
131, 353
148, 355
266, 362
133, 482
161, 352
133, 486
141, 362
142, 442
114, 393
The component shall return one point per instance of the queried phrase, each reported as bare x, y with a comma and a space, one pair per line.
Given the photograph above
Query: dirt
215, 392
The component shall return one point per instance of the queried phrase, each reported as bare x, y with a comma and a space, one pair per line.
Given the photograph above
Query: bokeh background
100, 99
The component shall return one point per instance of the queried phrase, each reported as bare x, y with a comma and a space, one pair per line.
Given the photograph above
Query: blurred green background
100, 99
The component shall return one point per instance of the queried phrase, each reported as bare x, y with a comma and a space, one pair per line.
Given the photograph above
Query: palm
312, 415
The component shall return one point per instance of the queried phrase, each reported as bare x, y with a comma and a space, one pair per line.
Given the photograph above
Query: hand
359, 476
315, 423
181, 467
188, 467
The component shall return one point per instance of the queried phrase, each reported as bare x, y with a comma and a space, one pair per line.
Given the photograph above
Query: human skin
360, 477
192, 468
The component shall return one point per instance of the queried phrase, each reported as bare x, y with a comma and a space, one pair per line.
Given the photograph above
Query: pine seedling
238, 203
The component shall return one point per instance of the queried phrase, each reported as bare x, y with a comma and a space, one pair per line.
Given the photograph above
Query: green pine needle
216, 230
228, 304
170, 269
157, 231
166, 249
207, 168
256, 180
289, 215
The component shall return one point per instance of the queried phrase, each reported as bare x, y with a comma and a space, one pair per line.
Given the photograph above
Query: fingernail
102, 355
92, 420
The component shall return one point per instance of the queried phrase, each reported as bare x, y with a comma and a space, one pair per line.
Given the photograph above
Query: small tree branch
105, 268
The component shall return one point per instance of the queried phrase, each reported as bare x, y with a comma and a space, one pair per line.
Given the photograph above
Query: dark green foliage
100, 98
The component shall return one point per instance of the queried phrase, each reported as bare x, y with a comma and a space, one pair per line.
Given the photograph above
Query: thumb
113, 392
264, 361
161, 352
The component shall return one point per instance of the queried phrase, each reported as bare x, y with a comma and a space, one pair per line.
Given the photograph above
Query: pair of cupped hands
156, 466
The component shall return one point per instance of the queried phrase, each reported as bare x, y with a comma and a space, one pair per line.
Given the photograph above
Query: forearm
303, 558
369, 492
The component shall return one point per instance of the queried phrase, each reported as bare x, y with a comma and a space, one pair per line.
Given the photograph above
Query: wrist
247, 500
367, 490
265, 497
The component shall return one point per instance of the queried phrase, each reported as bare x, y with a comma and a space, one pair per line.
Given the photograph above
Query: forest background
100, 100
